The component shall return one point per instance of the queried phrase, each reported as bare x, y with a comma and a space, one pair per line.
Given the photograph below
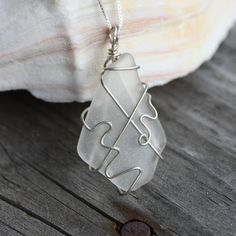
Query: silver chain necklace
119, 12
122, 137
114, 32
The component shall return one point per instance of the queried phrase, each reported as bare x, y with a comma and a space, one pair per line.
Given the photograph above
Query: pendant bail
113, 53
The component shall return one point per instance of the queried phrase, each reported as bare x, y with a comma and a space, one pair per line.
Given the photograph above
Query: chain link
119, 12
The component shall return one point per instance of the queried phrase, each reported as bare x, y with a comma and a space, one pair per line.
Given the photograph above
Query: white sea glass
140, 161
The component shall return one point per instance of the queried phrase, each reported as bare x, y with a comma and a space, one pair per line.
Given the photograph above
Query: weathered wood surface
45, 189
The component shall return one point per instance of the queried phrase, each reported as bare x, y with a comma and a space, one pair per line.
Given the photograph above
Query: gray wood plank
24, 188
7, 230
16, 222
193, 191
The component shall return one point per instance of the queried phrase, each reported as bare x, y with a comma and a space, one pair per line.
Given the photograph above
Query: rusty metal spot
136, 228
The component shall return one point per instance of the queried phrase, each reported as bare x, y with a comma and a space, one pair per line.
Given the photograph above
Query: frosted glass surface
127, 89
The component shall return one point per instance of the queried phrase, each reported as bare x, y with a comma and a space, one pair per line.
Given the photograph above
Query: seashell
56, 49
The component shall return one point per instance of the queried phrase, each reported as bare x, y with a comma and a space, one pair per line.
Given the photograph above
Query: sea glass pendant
122, 137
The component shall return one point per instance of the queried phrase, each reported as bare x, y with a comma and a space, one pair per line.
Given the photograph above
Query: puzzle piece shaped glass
122, 137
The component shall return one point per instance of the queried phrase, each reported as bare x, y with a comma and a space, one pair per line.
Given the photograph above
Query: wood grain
45, 189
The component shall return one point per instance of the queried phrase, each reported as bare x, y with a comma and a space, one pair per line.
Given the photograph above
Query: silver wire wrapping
113, 53
144, 139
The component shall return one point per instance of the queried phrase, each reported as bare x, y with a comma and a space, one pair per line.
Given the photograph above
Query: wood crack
62, 203
12, 228
193, 162
73, 194
34, 215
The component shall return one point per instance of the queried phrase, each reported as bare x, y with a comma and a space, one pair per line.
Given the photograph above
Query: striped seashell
56, 49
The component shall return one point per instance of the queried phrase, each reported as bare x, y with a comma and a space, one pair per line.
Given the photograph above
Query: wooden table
45, 189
